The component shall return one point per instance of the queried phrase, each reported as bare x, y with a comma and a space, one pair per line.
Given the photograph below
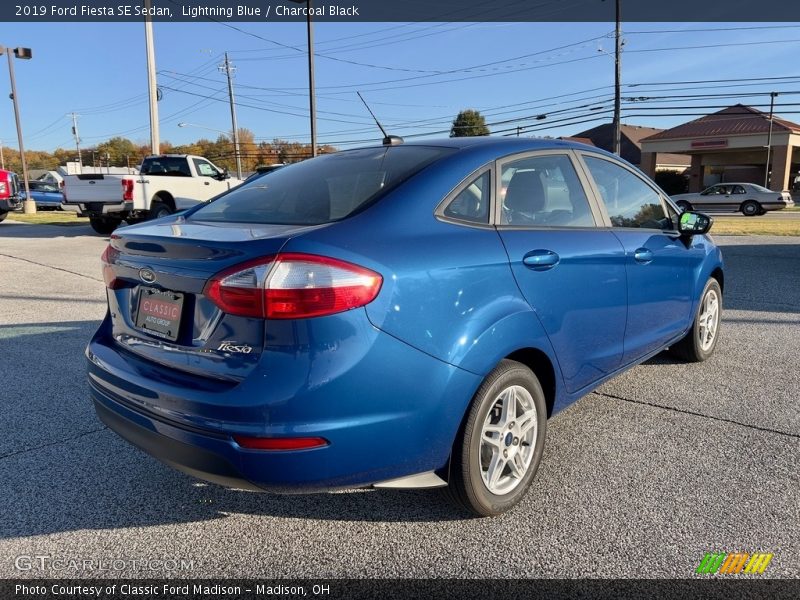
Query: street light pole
23, 53
2, 158
772, 96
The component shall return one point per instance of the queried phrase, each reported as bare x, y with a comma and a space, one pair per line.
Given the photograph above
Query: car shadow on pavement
39, 231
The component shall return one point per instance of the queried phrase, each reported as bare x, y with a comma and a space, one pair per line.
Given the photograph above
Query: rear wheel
158, 210
700, 342
751, 208
3, 215
103, 225
498, 450
684, 205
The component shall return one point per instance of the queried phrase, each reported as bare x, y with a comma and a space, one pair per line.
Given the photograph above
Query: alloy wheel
508, 440
708, 321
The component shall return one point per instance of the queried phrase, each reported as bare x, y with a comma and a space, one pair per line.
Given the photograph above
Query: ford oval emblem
147, 275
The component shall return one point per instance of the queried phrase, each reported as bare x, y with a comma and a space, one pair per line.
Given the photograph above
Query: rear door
570, 271
660, 264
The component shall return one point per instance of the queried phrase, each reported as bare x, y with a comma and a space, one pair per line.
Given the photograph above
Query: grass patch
755, 226
49, 217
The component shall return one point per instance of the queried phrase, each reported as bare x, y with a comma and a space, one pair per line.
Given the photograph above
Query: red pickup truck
9, 193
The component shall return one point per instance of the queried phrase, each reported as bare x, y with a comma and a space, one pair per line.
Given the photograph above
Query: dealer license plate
159, 313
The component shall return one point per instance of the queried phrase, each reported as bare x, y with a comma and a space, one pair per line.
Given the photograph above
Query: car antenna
388, 140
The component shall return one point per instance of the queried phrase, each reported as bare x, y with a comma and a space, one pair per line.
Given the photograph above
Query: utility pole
152, 85
77, 137
312, 95
29, 206
618, 80
772, 96
227, 68
2, 158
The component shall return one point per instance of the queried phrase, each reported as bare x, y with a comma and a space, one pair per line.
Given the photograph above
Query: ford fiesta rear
238, 349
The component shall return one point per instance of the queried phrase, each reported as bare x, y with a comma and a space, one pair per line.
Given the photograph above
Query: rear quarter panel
448, 289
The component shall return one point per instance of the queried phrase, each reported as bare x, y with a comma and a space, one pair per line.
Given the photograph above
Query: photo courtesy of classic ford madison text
360, 300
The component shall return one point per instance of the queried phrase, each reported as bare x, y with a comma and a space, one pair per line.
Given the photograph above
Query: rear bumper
85, 209
182, 450
387, 413
777, 205
8, 205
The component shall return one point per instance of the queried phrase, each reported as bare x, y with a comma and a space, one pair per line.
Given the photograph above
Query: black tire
159, 209
3, 215
466, 487
104, 226
690, 347
683, 205
750, 208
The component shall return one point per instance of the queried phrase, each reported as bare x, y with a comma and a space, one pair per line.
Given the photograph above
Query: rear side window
472, 203
325, 189
544, 191
629, 201
175, 166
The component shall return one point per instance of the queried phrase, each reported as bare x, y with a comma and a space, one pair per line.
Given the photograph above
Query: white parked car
748, 198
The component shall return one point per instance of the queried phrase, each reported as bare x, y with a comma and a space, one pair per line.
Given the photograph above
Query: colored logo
734, 563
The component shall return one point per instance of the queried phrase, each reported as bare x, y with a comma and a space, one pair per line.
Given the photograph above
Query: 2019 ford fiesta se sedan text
399, 316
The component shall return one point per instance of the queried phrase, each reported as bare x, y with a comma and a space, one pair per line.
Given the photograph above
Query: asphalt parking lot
640, 479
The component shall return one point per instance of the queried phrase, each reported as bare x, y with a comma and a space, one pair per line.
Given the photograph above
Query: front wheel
700, 342
499, 447
751, 208
104, 226
3, 215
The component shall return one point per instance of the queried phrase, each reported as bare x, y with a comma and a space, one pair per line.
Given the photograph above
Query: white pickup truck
165, 184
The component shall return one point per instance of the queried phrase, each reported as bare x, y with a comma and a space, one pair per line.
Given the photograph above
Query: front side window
629, 201
472, 203
204, 168
321, 190
544, 191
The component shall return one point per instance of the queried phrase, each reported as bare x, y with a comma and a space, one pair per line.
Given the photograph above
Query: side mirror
224, 175
694, 223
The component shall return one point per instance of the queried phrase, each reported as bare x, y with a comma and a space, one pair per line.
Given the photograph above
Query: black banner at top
400, 10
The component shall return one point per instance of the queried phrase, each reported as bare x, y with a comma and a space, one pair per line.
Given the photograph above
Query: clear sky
416, 76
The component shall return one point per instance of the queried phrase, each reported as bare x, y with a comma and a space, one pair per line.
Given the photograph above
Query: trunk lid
158, 309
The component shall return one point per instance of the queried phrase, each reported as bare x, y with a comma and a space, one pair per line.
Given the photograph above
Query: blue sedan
46, 195
405, 315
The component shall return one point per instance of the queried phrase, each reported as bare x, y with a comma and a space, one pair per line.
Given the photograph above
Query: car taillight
109, 257
127, 190
293, 286
297, 443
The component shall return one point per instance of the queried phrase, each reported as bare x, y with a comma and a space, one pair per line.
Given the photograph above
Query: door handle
540, 260
206, 183
643, 256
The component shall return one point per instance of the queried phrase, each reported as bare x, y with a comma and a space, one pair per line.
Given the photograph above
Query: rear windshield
321, 190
